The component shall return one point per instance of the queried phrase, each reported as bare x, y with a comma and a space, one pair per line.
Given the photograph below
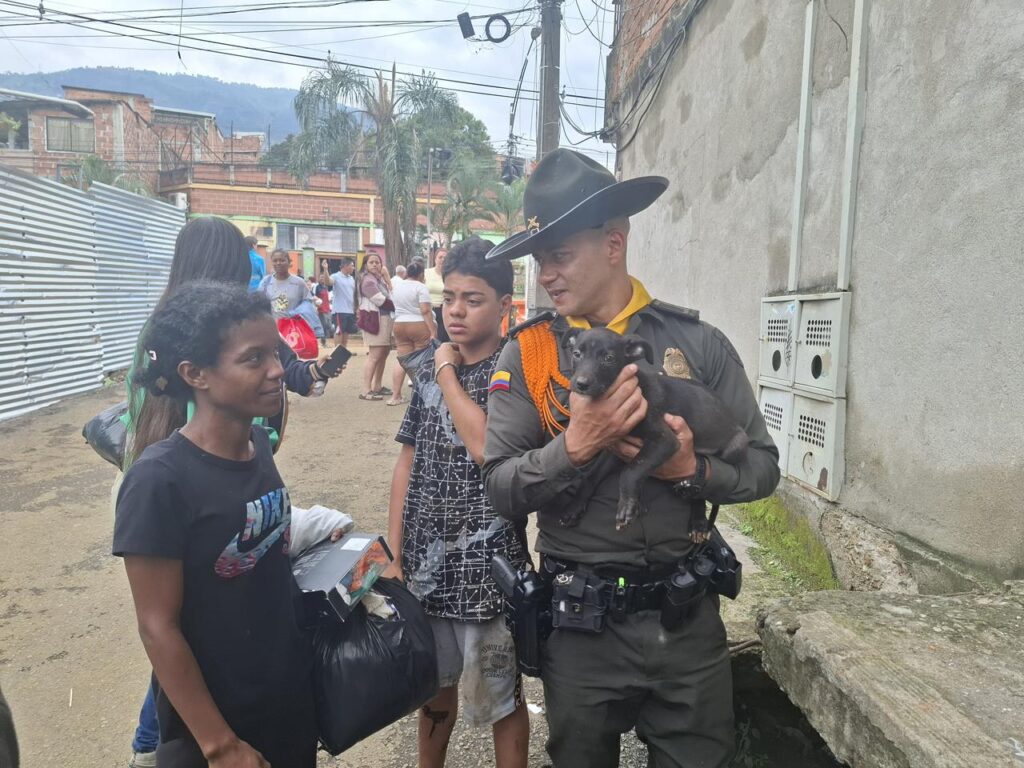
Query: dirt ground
71, 663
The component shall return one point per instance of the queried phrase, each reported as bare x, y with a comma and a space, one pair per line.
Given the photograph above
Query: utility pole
549, 124
430, 194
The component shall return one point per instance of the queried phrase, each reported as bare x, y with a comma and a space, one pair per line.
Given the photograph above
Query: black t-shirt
229, 522
451, 531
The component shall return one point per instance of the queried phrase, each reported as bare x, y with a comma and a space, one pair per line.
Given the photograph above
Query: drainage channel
771, 732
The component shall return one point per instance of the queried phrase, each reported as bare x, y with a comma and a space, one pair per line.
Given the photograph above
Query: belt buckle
618, 606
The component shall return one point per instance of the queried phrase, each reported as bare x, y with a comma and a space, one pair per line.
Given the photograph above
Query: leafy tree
394, 146
505, 208
95, 169
463, 134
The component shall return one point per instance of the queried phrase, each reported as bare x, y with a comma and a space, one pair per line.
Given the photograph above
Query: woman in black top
203, 523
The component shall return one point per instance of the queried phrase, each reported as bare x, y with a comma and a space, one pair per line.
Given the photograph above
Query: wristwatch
693, 487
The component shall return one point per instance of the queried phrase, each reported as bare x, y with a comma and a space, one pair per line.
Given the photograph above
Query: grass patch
789, 543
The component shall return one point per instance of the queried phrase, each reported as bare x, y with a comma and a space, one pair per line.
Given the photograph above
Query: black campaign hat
568, 193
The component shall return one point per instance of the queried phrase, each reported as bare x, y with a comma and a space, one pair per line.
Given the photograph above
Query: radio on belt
334, 576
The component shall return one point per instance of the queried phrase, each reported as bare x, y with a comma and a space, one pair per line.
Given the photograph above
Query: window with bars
64, 134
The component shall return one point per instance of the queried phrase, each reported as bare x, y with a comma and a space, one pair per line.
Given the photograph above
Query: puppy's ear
637, 348
569, 338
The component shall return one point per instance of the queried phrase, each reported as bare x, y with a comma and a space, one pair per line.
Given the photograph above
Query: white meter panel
817, 435
777, 409
820, 363
780, 323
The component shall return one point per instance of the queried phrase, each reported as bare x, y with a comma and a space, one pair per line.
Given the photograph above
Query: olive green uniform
674, 686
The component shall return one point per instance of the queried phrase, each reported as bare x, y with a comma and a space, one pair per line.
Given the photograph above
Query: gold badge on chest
675, 364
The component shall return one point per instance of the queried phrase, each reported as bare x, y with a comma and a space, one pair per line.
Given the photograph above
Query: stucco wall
935, 420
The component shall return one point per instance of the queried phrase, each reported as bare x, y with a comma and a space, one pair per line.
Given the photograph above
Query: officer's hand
600, 422
682, 464
447, 353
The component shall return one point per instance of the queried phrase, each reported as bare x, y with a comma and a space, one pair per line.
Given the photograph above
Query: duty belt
626, 589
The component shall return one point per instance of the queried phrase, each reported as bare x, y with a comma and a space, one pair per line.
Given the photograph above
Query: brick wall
642, 26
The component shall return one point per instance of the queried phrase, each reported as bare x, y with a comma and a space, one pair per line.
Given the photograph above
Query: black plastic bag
106, 433
369, 672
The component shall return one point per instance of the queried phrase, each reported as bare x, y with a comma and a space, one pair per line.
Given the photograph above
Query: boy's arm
469, 418
396, 503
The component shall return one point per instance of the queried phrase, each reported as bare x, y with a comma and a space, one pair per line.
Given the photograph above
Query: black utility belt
582, 601
582, 598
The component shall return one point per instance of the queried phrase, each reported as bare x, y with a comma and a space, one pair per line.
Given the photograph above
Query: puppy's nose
581, 384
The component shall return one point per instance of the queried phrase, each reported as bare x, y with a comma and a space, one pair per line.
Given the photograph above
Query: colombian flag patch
499, 382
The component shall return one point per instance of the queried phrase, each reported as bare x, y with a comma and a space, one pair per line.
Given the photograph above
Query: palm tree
505, 208
389, 106
470, 188
94, 169
468, 194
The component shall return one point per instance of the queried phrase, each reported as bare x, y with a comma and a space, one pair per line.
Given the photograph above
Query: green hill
248, 107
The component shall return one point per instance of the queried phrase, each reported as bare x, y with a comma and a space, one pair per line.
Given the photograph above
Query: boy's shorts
346, 322
482, 657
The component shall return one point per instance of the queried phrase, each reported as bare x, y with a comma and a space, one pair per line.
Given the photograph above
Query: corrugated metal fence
79, 274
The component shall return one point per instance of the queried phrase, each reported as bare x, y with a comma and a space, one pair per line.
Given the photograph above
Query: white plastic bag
313, 525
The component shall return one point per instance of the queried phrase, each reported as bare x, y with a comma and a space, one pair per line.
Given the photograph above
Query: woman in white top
435, 284
414, 320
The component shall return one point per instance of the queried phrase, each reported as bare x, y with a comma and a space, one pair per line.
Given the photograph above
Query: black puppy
598, 355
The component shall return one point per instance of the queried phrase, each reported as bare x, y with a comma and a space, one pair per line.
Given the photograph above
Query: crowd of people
491, 434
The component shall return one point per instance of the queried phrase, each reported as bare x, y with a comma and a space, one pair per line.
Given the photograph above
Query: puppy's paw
570, 519
699, 529
628, 509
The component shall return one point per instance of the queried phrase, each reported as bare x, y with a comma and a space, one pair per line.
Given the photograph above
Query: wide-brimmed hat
569, 193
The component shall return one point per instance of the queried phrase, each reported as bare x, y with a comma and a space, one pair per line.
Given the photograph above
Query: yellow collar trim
640, 299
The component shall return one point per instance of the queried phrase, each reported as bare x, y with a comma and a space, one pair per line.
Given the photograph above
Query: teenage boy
442, 526
344, 303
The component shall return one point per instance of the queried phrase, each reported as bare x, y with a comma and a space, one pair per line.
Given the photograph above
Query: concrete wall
935, 424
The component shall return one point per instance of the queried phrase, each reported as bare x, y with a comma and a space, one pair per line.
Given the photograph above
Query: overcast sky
314, 28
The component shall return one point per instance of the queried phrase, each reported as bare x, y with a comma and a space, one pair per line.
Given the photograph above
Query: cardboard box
334, 576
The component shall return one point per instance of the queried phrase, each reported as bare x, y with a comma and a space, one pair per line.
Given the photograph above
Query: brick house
126, 130
182, 156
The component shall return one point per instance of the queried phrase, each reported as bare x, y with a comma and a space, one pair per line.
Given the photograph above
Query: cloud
306, 31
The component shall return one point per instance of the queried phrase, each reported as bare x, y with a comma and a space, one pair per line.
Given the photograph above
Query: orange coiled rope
539, 352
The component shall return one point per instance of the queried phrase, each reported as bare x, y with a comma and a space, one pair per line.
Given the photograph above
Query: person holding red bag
293, 306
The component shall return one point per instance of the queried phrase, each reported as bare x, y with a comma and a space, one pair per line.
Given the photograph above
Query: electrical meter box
780, 323
777, 409
817, 434
821, 347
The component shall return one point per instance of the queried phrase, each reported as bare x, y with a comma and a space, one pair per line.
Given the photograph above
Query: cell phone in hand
336, 361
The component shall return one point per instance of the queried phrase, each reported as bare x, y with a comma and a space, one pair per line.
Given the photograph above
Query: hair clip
152, 354
161, 383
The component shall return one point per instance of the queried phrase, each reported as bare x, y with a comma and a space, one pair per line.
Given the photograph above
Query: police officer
603, 677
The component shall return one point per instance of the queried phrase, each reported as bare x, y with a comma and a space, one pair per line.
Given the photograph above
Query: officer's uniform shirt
527, 470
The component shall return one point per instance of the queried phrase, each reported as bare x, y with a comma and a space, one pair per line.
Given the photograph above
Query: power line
302, 57
83, 20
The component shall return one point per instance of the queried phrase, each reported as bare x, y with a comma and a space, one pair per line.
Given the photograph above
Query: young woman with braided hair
203, 524
209, 248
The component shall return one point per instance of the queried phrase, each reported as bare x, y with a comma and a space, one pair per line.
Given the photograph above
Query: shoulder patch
540, 318
726, 344
500, 381
684, 312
